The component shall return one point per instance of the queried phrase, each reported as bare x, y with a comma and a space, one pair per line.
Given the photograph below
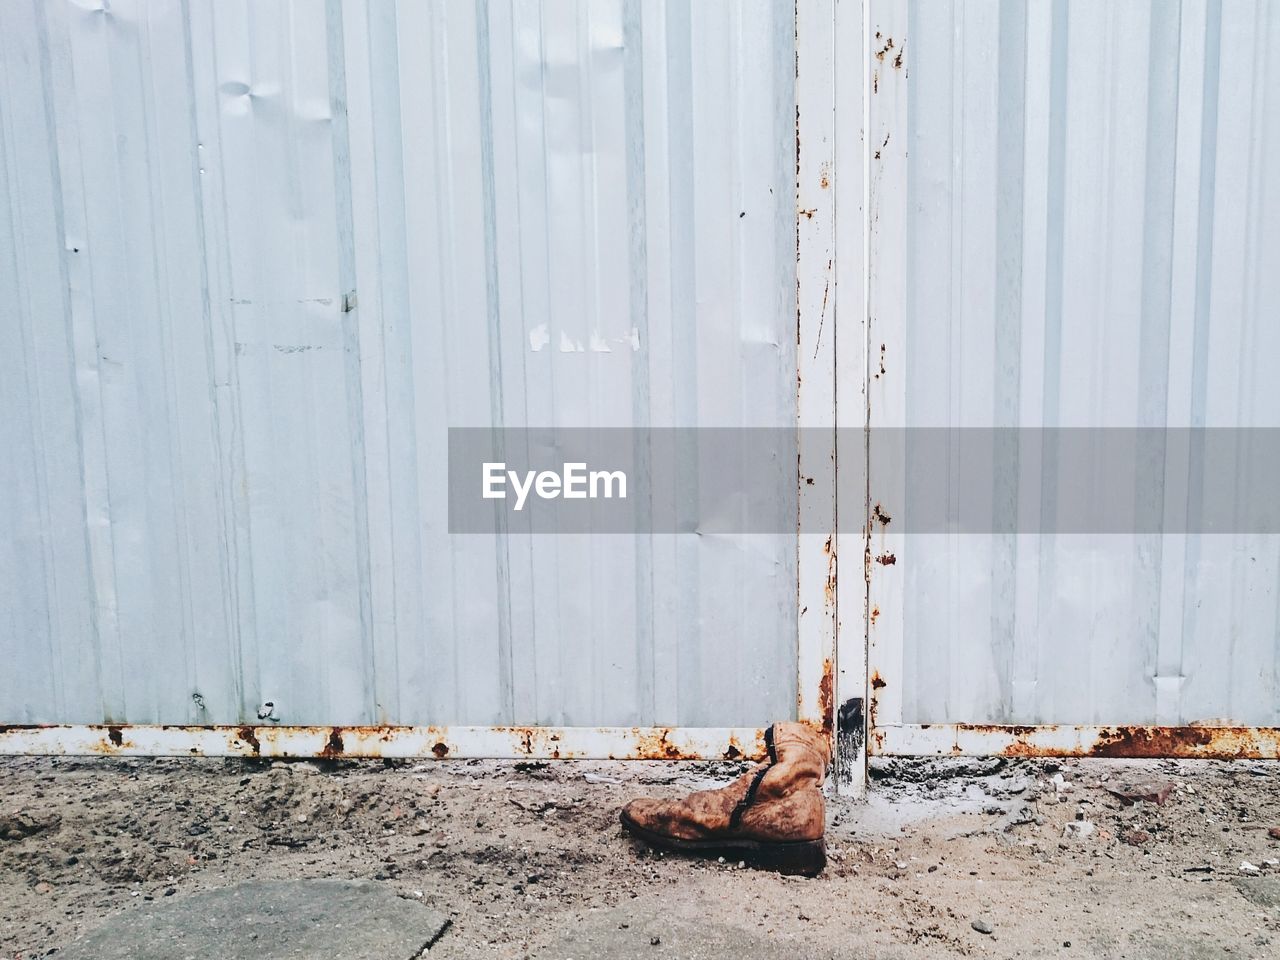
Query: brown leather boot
771, 817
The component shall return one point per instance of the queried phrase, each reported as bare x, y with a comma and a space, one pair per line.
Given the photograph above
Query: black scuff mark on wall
851, 733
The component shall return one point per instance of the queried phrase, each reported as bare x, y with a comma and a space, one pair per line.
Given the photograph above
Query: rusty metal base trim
986, 740
535, 743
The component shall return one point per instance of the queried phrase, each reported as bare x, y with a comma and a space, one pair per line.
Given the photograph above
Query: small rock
1155, 791
1274, 833
1079, 829
655, 941
983, 925
1135, 838
20, 825
1247, 867
43, 887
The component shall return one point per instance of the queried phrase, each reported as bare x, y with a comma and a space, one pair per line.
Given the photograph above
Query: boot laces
735, 818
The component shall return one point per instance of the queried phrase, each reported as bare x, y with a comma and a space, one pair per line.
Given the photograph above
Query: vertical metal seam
868, 67
102, 558
493, 322
8, 188
352, 361
174, 445
638, 306
1206, 200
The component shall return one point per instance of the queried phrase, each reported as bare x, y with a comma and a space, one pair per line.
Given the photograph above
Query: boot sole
802, 857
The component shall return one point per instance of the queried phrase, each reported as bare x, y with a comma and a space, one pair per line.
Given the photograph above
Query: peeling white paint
568, 345
539, 337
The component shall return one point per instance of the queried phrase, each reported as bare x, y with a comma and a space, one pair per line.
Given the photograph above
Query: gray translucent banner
924, 480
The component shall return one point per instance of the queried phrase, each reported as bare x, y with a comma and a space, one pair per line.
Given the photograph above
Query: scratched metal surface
257, 257
1086, 230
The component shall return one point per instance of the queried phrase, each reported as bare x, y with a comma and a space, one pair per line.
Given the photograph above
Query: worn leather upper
787, 805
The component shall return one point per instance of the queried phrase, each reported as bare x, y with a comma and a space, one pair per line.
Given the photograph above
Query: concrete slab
270, 920
1264, 891
632, 934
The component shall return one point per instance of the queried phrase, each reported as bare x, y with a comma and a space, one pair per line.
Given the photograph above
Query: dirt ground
522, 855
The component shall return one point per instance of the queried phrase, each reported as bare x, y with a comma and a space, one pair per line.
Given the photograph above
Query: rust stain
526, 738
112, 741
333, 746
875, 615
826, 696
372, 741
1221, 742
1151, 742
886, 559
249, 735
654, 745
880, 517
877, 681
833, 572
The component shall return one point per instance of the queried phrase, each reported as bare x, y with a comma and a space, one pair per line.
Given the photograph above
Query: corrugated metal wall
1078, 207
257, 257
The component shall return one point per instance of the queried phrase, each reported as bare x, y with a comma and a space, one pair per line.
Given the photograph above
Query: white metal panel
258, 257
1074, 224
816, 456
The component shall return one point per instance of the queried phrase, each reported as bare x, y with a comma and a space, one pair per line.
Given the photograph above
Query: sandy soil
519, 854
